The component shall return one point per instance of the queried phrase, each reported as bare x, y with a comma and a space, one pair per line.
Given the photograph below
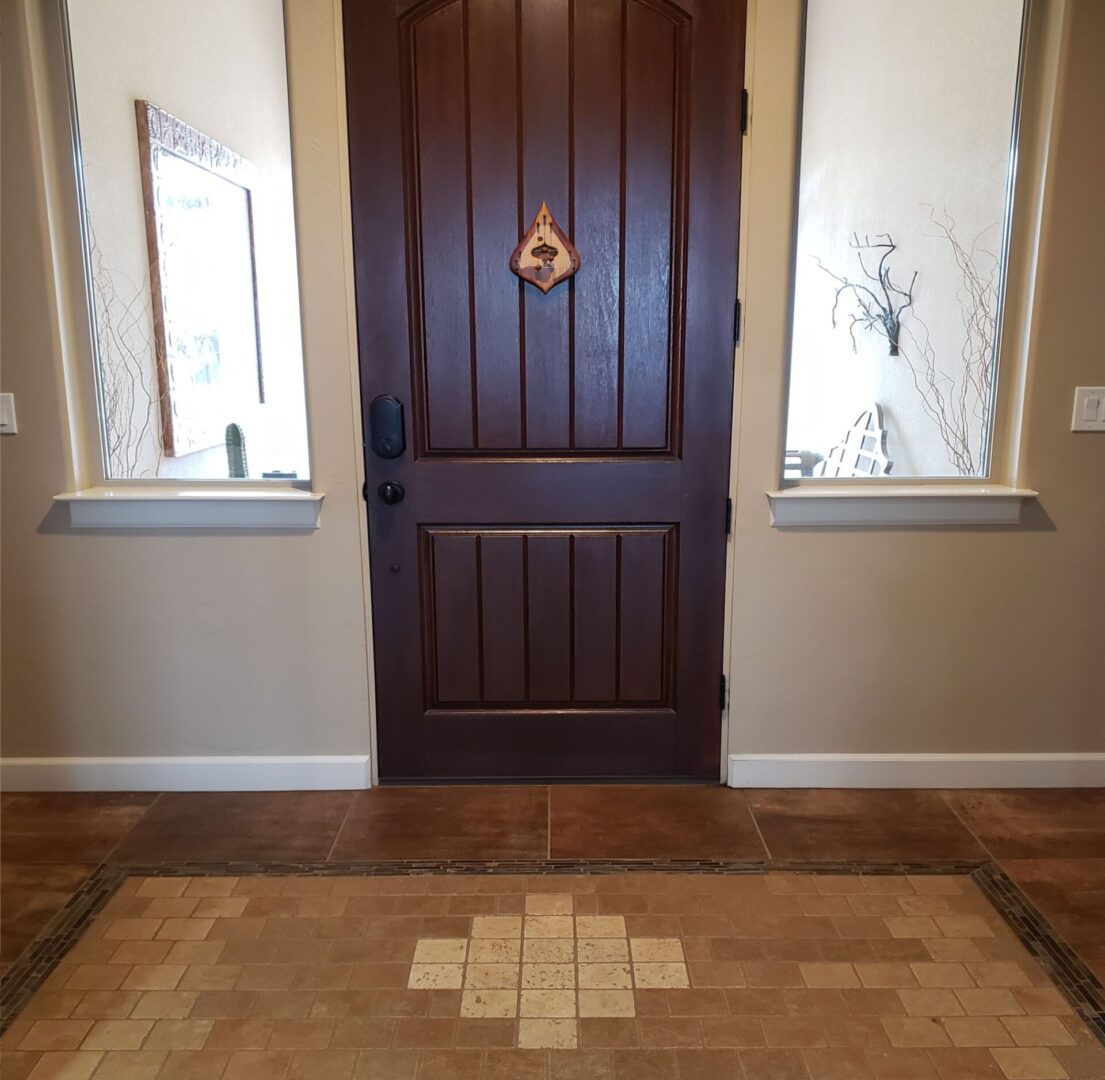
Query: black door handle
390, 492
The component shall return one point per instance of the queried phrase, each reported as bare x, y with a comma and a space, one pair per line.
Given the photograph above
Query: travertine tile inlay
609, 976
571, 966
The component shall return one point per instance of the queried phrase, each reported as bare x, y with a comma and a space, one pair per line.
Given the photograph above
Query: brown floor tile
67, 827
860, 824
32, 894
1036, 824
446, 823
1070, 894
256, 826
638, 822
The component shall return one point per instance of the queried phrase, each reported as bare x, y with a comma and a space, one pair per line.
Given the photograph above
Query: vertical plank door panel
545, 46
442, 204
504, 618
493, 120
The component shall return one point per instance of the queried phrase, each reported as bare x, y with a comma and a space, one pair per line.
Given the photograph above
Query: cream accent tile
440, 950
604, 950
117, 1035
600, 926
435, 977
546, 1003
547, 1035
495, 950
548, 976
497, 926
491, 977
549, 926
549, 950
549, 904
605, 976
493, 1003
655, 950
606, 1003
659, 976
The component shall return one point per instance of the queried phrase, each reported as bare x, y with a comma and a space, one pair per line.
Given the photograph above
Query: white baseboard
916, 770
222, 773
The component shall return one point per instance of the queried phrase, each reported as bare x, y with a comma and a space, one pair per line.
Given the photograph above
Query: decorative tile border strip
1081, 987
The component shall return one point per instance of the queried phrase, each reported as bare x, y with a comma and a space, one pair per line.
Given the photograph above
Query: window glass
184, 145
907, 114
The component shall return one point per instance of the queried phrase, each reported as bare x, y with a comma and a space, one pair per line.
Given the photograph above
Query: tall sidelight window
185, 165
907, 151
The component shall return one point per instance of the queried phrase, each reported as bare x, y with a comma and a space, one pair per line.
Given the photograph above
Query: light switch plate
1089, 409
7, 414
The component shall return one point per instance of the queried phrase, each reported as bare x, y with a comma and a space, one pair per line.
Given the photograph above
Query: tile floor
611, 977
1052, 843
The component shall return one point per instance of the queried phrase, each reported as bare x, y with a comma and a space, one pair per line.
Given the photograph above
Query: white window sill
143, 507
897, 504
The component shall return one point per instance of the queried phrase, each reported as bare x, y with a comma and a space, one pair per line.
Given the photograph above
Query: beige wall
949, 640
849, 641
163, 644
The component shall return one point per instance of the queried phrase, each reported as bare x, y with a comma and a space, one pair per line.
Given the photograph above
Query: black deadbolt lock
385, 422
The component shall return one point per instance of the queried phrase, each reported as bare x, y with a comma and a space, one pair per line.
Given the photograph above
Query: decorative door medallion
545, 257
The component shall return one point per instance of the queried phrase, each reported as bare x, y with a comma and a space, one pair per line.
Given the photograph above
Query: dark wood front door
548, 594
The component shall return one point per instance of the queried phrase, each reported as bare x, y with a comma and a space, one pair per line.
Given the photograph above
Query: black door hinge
728, 516
723, 695
744, 112
364, 491
737, 321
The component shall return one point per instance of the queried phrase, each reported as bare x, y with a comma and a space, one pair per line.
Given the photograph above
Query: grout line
338, 831
756, 824
970, 832
142, 817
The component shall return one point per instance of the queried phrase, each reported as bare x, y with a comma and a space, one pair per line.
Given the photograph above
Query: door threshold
531, 781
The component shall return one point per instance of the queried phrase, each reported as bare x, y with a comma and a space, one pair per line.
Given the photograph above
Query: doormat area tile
605, 971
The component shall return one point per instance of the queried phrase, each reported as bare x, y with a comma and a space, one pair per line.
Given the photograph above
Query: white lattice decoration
862, 451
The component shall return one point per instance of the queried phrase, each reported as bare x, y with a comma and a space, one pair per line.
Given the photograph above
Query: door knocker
545, 257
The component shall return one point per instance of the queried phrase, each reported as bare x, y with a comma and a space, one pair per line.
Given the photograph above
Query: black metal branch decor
881, 303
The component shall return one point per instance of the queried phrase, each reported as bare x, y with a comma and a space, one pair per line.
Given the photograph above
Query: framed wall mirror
184, 154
